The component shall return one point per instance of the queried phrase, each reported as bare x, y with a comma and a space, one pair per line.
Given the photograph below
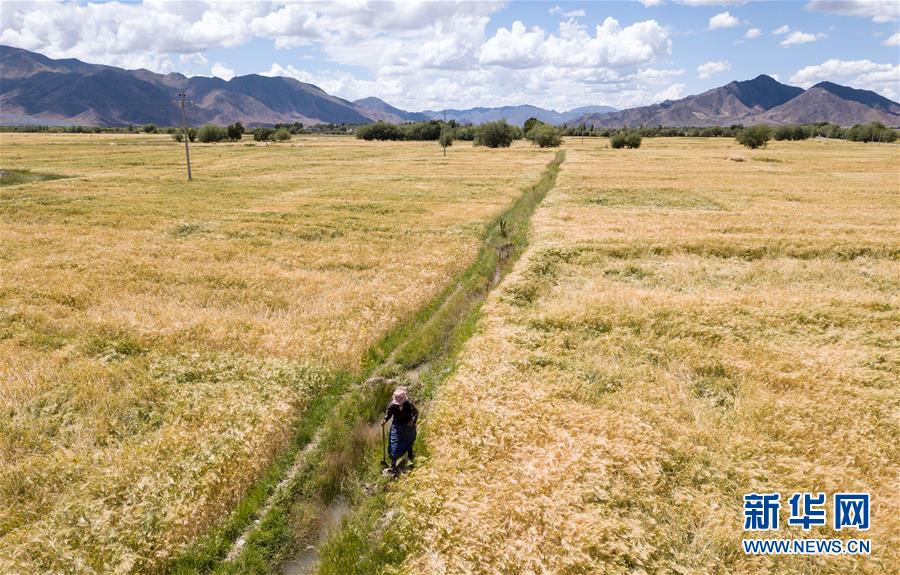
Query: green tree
545, 136
263, 134
210, 133
465, 133
755, 136
149, 128
380, 131
423, 131
281, 135
446, 139
235, 131
871, 132
625, 138
783, 133
530, 123
495, 134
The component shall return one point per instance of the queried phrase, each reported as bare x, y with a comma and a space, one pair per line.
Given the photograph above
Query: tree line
498, 134
493, 134
871, 132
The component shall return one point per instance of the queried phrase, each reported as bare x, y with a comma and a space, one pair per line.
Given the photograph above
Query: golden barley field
683, 329
159, 339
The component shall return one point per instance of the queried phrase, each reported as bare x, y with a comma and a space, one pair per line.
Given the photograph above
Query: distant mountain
378, 109
761, 100
575, 113
35, 88
724, 105
828, 102
515, 114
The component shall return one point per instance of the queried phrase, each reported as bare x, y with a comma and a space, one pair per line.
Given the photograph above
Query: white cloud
414, 54
128, 35
574, 47
673, 92
781, 30
877, 10
723, 20
863, 74
753, 33
515, 48
704, 71
656, 76
798, 37
196, 59
649, 3
893, 40
712, 2
220, 71
289, 72
557, 11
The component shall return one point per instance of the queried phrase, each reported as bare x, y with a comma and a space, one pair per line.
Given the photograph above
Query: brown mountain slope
35, 88
724, 105
757, 101
822, 103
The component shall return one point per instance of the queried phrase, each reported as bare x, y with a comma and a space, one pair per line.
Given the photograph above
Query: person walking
403, 428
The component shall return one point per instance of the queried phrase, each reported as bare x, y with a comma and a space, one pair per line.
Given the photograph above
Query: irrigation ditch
321, 507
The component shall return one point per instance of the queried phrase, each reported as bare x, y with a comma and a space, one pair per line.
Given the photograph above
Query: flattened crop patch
16, 177
668, 198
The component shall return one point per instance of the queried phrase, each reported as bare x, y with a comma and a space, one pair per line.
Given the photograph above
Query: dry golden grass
158, 339
683, 330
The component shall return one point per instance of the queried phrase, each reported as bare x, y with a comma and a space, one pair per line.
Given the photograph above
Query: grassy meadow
159, 339
683, 329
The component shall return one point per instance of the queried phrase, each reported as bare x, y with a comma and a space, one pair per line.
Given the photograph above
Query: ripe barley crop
159, 339
682, 330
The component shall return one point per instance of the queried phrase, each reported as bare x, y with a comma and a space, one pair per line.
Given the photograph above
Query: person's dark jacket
402, 414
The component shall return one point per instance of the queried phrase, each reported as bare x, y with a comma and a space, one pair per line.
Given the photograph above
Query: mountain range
38, 89
762, 100
516, 114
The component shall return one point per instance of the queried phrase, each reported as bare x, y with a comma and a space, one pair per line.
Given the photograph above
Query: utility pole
443, 136
187, 152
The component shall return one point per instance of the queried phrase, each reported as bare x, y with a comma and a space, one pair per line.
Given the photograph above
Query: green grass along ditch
333, 459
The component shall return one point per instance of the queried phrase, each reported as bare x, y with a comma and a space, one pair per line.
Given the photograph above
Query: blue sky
420, 55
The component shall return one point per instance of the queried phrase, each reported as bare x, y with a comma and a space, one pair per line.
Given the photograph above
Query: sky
442, 54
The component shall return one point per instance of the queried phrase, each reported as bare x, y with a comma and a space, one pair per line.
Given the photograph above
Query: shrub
755, 136
625, 139
544, 135
791, 133
211, 133
465, 133
178, 135
379, 131
149, 128
281, 135
712, 132
495, 134
801, 132
871, 132
263, 134
427, 131
446, 139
